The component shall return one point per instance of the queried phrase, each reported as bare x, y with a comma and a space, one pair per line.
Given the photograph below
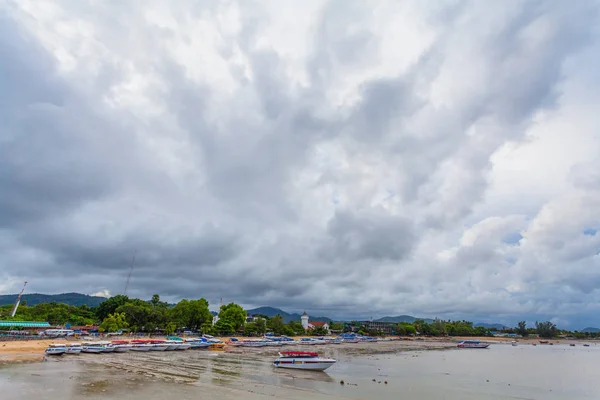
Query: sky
347, 158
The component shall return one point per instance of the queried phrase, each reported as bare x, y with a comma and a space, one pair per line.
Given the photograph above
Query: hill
590, 330
287, 317
72, 299
402, 318
498, 327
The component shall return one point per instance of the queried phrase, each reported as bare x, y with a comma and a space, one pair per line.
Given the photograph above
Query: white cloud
390, 158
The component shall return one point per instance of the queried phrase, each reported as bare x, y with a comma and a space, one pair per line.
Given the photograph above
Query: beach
428, 369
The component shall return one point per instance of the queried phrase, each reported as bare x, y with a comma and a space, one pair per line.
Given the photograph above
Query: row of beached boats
122, 346
284, 340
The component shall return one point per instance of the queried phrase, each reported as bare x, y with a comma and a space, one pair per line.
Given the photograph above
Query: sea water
499, 372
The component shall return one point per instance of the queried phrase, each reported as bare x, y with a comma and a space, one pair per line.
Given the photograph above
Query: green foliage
109, 306
234, 314
336, 326
223, 328
276, 325
296, 328
191, 314
405, 329
546, 329
54, 313
114, 322
522, 328
319, 331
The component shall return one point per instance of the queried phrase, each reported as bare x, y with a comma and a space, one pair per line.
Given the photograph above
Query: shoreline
31, 351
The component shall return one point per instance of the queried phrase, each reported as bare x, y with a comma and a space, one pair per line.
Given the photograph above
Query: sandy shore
33, 350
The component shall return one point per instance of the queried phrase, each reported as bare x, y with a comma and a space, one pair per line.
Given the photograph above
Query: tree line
123, 313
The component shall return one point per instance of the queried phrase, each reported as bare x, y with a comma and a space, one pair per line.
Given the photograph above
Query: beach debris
385, 382
374, 380
342, 382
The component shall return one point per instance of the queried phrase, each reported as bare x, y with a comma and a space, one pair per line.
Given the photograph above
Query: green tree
522, 328
114, 322
336, 326
319, 331
191, 313
276, 325
223, 328
297, 328
234, 314
546, 329
261, 326
170, 328
109, 306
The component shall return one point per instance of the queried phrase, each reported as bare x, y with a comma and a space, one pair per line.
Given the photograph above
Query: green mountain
72, 299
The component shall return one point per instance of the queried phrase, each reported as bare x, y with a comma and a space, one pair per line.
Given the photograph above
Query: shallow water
500, 372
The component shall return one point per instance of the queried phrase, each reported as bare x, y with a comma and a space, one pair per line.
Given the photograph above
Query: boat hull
304, 364
473, 346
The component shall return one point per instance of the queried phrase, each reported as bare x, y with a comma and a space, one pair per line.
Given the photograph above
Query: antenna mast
130, 271
14, 310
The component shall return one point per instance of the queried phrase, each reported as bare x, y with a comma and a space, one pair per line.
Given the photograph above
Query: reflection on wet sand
501, 372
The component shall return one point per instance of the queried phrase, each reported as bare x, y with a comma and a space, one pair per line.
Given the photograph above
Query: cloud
343, 159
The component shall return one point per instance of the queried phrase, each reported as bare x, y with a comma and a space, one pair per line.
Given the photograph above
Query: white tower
216, 317
304, 319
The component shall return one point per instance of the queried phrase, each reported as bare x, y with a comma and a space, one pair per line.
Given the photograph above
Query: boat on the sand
472, 344
304, 360
56, 349
73, 348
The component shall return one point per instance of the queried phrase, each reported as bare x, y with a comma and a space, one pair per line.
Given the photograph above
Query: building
385, 327
311, 325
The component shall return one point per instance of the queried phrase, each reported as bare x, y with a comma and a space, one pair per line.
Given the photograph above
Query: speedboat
176, 343
234, 342
472, 344
121, 346
349, 338
253, 343
215, 344
73, 348
56, 349
141, 345
198, 343
303, 360
514, 343
94, 347
310, 341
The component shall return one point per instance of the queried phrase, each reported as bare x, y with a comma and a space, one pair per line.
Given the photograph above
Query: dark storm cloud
238, 171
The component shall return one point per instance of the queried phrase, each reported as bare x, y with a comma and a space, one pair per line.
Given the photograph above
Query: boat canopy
298, 354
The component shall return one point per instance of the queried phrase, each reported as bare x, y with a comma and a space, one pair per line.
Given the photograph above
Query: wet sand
500, 372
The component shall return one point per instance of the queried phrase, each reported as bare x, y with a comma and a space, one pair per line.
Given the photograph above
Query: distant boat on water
472, 344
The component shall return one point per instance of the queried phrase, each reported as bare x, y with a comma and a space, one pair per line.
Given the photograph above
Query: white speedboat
254, 343
121, 346
56, 349
311, 341
73, 348
92, 347
198, 343
472, 344
140, 346
308, 361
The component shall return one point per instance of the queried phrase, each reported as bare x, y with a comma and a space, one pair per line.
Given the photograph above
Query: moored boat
121, 346
472, 344
309, 361
514, 343
73, 348
93, 347
56, 349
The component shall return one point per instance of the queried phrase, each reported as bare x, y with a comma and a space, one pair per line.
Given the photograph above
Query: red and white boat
305, 360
